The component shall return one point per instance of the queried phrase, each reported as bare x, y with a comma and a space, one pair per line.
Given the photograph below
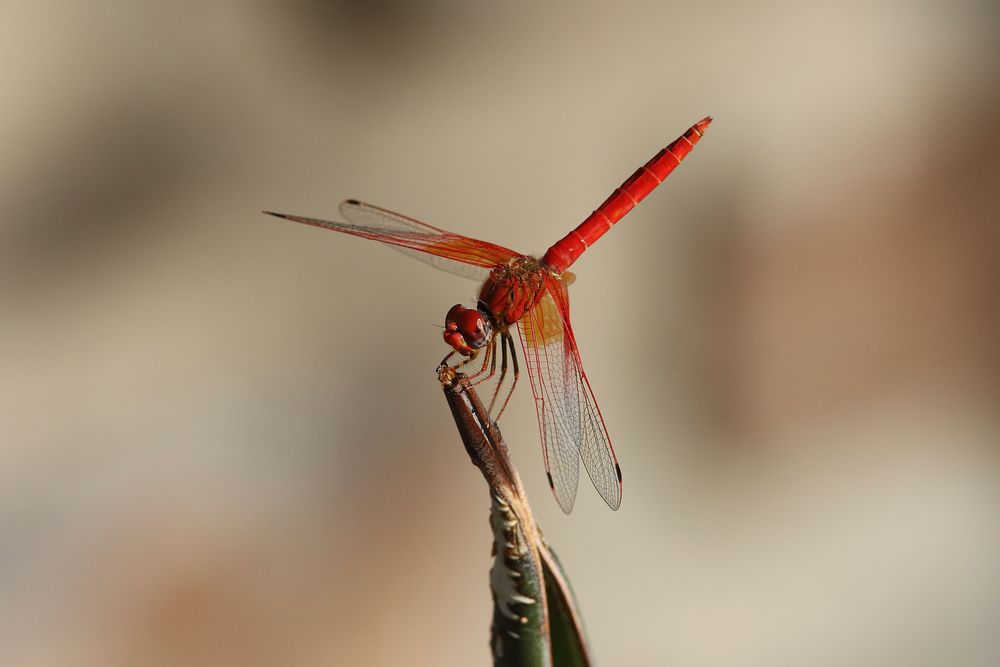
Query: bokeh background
223, 442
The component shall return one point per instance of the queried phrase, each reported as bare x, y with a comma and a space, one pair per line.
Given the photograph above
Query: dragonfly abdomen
645, 179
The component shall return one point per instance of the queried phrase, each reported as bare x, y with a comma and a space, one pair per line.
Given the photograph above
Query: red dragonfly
531, 293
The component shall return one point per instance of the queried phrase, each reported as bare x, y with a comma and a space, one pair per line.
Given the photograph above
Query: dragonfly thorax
466, 329
514, 288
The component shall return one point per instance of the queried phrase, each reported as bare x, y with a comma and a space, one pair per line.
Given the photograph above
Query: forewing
569, 420
448, 251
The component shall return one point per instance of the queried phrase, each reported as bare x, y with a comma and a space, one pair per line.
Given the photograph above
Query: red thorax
511, 290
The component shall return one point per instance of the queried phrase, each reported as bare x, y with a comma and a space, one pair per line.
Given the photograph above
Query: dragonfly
529, 293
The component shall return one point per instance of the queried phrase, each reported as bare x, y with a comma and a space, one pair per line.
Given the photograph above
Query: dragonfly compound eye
474, 327
466, 329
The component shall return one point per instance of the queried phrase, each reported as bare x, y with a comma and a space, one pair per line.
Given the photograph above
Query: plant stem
535, 618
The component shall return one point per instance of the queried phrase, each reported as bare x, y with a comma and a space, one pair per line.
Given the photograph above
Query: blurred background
223, 441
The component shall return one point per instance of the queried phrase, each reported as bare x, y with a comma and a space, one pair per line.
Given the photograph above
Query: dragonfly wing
569, 420
445, 250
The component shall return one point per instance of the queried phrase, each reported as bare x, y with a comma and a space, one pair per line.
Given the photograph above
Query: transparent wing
569, 420
450, 252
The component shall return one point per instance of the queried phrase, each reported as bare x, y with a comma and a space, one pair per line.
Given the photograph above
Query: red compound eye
473, 327
452, 316
466, 329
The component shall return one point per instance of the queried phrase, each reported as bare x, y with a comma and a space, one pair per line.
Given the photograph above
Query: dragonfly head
466, 329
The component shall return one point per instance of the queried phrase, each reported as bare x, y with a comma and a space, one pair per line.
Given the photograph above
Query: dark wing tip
352, 202
277, 215
618, 497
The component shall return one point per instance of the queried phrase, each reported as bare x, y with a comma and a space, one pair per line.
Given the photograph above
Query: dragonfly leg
489, 358
503, 373
444, 362
463, 362
509, 342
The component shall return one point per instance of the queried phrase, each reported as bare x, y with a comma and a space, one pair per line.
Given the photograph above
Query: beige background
222, 439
